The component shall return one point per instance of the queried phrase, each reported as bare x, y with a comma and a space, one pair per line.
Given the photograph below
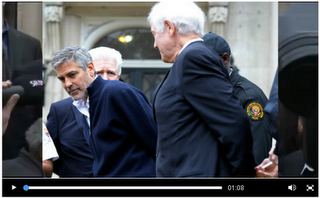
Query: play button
13, 187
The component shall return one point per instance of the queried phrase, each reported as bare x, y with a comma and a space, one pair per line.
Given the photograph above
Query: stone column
53, 16
218, 17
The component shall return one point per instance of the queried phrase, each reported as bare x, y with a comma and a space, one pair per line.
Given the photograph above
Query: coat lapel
155, 95
80, 120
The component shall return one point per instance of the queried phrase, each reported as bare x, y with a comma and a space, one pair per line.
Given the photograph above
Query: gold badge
255, 111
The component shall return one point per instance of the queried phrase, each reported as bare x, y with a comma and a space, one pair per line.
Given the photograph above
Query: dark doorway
145, 79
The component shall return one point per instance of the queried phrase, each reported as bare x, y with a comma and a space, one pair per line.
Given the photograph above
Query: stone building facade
251, 29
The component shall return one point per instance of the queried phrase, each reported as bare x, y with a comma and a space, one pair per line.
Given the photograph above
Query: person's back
192, 134
252, 98
202, 129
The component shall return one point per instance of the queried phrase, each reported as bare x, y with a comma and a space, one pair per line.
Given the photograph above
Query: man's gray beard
85, 94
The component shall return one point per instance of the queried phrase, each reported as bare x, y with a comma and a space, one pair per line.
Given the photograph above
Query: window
145, 79
132, 43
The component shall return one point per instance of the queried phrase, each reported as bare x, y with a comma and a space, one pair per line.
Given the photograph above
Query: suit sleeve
34, 46
262, 140
209, 92
52, 126
137, 114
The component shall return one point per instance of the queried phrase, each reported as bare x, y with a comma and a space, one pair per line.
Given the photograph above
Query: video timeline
289, 187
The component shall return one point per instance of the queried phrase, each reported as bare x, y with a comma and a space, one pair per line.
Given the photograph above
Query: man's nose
68, 83
155, 45
105, 76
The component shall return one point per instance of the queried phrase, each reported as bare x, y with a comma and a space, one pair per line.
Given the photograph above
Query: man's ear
91, 69
169, 26
225, 57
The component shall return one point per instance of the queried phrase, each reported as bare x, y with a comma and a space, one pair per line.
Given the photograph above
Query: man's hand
7, 109
270, 171
6, 84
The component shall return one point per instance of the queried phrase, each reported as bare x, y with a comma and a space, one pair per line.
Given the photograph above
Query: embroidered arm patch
255, 111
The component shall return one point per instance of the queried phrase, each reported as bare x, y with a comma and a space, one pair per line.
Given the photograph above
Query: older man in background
107, 62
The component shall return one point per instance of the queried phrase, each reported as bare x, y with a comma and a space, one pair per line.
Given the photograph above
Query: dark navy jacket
66, 127
123, 133
202, 129
23, 49
251, 96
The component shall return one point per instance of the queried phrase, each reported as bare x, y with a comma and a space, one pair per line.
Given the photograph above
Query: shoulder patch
46, 132
255, 111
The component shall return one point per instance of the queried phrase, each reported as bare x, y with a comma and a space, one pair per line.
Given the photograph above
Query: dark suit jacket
202, 129
23, 49
123, 134
67, 127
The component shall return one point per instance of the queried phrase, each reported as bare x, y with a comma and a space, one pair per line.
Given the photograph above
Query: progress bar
26, 187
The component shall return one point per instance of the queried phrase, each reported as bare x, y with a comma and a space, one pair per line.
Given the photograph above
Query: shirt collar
189, 42
306, 167
231, 70
82, 106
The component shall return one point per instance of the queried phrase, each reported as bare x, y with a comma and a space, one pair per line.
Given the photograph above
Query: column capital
53, 12
218, 14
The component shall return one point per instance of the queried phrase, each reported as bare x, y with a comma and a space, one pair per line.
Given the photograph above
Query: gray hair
73, 53
107, 53
34, 136
186, 16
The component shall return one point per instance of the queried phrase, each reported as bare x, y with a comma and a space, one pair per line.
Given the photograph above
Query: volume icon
292, 187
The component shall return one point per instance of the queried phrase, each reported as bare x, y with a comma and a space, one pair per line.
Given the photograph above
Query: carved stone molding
53, 17
53, 13
218, 14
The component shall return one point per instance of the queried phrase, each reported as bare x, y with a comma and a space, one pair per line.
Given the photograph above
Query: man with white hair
202, 129
108, 62
65, 122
